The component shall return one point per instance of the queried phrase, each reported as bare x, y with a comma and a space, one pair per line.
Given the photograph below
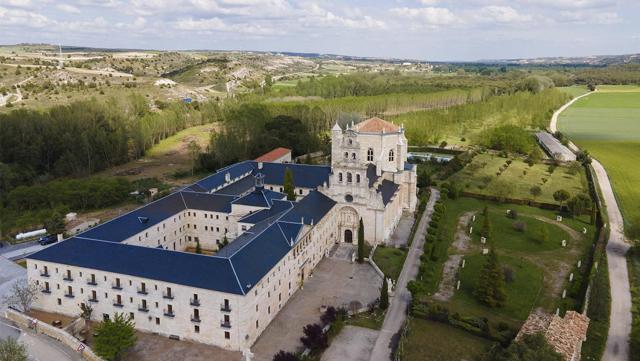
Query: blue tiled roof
207, 272
125, 226
240, 187
305, 176
277, 208
208, 202
388, 189
311, 208
234, 269
260, 198
217, 179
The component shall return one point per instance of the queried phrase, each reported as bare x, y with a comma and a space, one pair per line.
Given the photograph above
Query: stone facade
371, 179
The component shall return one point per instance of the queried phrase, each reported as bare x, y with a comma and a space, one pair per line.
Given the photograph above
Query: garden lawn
541, 269
607, 124
522, 293
430, 340
390, 260
480, 177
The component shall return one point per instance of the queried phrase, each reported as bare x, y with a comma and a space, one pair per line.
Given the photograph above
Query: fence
27, 323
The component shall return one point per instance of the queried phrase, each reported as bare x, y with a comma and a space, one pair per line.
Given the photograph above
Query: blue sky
420, 29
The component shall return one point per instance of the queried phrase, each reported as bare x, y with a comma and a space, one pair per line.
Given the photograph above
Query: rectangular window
196, 329
227, 335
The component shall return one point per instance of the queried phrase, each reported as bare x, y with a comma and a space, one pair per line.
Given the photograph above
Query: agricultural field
607, 124
529, 246
575, 90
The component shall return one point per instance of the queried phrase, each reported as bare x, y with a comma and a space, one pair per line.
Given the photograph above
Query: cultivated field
607, 124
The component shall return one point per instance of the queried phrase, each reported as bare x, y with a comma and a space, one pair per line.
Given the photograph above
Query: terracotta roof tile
273, 155
376, 125
565, 335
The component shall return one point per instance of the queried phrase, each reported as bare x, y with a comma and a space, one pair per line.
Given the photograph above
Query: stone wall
24, 322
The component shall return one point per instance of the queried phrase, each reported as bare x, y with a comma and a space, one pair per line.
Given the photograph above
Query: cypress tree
198, 248
289, 185
490, 288
384, 294
486, 226
361, 241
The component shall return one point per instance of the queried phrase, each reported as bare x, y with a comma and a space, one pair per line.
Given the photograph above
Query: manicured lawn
607, 124
390, 260
480, 177
371, 320
429, 340
522, 293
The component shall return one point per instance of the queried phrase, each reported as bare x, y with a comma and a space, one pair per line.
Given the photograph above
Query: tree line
85, 137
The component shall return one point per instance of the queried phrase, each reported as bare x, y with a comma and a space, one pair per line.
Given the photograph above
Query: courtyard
335, 282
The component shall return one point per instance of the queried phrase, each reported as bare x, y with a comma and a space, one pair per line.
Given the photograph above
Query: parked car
52, 238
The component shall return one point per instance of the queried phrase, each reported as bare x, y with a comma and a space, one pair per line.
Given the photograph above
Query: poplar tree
384, 294
490, 289
361, 241
289, 185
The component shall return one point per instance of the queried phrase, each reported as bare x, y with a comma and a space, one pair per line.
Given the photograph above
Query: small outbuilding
278, 155
554, 148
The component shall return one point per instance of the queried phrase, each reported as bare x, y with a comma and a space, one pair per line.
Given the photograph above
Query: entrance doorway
348, 236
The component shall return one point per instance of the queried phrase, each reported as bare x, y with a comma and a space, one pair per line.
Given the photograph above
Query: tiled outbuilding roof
273, 155
564, 334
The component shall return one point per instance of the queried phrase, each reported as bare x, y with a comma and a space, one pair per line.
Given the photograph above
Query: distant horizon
124, 49
433, 30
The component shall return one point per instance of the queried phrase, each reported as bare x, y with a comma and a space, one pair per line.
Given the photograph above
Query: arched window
349, 177
353, 156
339, 177
346, 155
370, 155
350, 141
391, 155
357, 178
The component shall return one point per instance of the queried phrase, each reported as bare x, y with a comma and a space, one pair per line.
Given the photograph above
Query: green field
429, 340
480, 177
575, 90
607, 124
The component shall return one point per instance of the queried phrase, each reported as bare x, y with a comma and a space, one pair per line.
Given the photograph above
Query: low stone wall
27, 323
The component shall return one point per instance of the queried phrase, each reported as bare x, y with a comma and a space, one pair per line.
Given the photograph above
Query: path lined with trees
397, 312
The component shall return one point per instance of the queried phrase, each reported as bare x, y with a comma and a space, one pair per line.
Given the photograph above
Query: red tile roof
565, 335
376, 125
273, 155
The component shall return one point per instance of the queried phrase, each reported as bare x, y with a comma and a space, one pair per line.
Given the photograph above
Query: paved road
617, 348
397, 312
40, 347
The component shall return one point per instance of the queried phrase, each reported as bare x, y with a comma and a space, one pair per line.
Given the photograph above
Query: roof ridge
183, 201
236, 276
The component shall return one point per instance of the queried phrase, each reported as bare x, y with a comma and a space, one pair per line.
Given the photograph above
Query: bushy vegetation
634, 274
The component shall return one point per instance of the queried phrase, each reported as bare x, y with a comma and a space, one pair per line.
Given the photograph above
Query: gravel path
397, 312
451, 266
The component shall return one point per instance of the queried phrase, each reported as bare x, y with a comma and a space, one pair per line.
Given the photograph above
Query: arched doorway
348, 236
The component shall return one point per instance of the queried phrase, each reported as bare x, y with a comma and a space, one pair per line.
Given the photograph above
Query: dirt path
572, 232
461, 243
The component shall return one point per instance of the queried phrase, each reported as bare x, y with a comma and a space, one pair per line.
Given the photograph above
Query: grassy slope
486, 165
607, 124
429, 340
575, 90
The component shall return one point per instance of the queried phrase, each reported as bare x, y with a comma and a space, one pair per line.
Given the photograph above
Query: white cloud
68, 8
16, 3
591, 17
571, 4
314, 16
218, 25
501, 14
431, 16
19, 17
